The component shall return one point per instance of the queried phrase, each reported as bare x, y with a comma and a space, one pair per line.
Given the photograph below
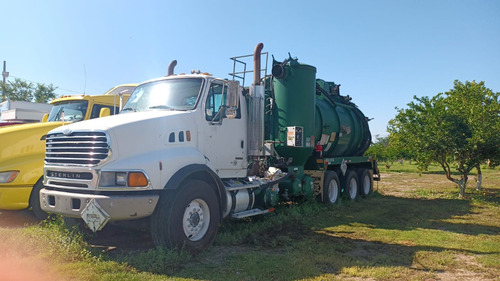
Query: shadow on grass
308, 240
390, 212
17, 219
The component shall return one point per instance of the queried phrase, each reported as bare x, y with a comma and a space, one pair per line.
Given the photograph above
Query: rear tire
331, 188
188, 218
365, 182
351, 185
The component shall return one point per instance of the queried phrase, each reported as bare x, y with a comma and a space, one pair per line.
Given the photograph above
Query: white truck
189, 150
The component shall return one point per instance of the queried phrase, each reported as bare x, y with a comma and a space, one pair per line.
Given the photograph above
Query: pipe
256, 63
171, 67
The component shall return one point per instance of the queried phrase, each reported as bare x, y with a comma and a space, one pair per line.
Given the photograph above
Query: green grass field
413, 227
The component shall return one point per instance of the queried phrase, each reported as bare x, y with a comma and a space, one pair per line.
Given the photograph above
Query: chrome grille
76, 148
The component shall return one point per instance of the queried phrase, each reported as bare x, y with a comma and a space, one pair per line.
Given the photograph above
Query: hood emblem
67, 132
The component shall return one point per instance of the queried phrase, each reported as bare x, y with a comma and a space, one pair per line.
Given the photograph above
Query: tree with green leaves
25, 91
459, 129
382, 150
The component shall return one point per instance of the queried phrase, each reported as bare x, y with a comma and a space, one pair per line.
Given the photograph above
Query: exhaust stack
256, 111
171, 67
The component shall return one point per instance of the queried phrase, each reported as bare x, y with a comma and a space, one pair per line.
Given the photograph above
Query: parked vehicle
189, 150
22, 147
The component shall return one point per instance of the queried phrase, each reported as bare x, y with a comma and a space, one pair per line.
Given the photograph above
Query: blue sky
382, 52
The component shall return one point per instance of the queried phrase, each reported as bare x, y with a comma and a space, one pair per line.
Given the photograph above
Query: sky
381, 52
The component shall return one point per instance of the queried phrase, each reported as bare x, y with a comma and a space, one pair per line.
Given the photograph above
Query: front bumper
15, 197
118, 207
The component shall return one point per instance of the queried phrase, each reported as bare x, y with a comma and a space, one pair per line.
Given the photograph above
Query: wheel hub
194, 220
195, 215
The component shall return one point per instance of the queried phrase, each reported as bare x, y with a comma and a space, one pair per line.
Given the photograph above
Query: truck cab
22, 148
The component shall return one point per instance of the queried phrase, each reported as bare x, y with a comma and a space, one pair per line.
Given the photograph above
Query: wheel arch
199, 172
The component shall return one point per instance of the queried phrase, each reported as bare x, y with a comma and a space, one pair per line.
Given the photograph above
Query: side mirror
104, 112
45, 117
232, 99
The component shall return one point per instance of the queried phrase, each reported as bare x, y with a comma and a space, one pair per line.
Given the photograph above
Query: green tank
294, 96
311, 118
341, 128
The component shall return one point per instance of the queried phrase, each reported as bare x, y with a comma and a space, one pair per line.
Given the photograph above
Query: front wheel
34, 201
187, 218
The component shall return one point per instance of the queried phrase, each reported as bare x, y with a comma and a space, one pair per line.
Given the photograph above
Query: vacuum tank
325, 120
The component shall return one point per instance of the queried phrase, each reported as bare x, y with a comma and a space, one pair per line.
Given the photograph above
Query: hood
30, 127
24, 140
133, 119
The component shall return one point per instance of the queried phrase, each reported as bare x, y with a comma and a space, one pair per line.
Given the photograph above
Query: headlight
8, 176
123, 179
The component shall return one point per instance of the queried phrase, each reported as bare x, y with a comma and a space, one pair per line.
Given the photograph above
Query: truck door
224, 139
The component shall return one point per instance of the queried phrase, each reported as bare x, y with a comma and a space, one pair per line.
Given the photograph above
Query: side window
215, 102
96, 109
215, 105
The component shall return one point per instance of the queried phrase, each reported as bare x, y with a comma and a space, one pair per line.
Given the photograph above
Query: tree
459, 129
25, 91
44, 93
18, 90
382, 150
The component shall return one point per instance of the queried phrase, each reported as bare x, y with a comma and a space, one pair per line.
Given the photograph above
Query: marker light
137, 179
8, 176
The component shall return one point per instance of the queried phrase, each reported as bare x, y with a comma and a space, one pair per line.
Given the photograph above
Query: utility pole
5, 74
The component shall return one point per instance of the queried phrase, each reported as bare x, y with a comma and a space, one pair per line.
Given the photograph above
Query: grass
413, 227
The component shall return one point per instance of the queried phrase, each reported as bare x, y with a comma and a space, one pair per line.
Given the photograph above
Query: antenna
85, 78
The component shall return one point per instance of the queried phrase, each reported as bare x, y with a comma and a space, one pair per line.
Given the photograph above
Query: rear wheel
187, 218
351, 184
366, 182
331, 188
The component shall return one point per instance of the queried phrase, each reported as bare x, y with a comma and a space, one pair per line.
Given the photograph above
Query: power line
58, 88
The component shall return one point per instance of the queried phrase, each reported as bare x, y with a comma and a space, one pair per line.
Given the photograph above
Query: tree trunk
479, 177
462, 183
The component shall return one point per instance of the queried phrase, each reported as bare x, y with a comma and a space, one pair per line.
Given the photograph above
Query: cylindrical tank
294, 94
311, 112
340, 127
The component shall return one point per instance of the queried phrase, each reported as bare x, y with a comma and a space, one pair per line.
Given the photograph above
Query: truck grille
76, 148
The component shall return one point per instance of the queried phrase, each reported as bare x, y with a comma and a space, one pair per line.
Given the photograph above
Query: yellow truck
22, 147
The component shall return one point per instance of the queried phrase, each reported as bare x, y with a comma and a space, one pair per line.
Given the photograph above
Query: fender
201, 172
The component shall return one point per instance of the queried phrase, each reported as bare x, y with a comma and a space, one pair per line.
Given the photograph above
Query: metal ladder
242, 61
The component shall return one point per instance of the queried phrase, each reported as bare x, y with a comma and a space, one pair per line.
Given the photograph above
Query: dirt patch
469, 270
16, 219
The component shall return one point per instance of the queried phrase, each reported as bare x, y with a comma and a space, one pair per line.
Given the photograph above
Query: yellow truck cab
22, 147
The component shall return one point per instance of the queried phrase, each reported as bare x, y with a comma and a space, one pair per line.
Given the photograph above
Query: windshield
172, 94
69, 111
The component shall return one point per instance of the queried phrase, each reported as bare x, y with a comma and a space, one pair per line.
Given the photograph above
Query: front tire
188, 217
34, 201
